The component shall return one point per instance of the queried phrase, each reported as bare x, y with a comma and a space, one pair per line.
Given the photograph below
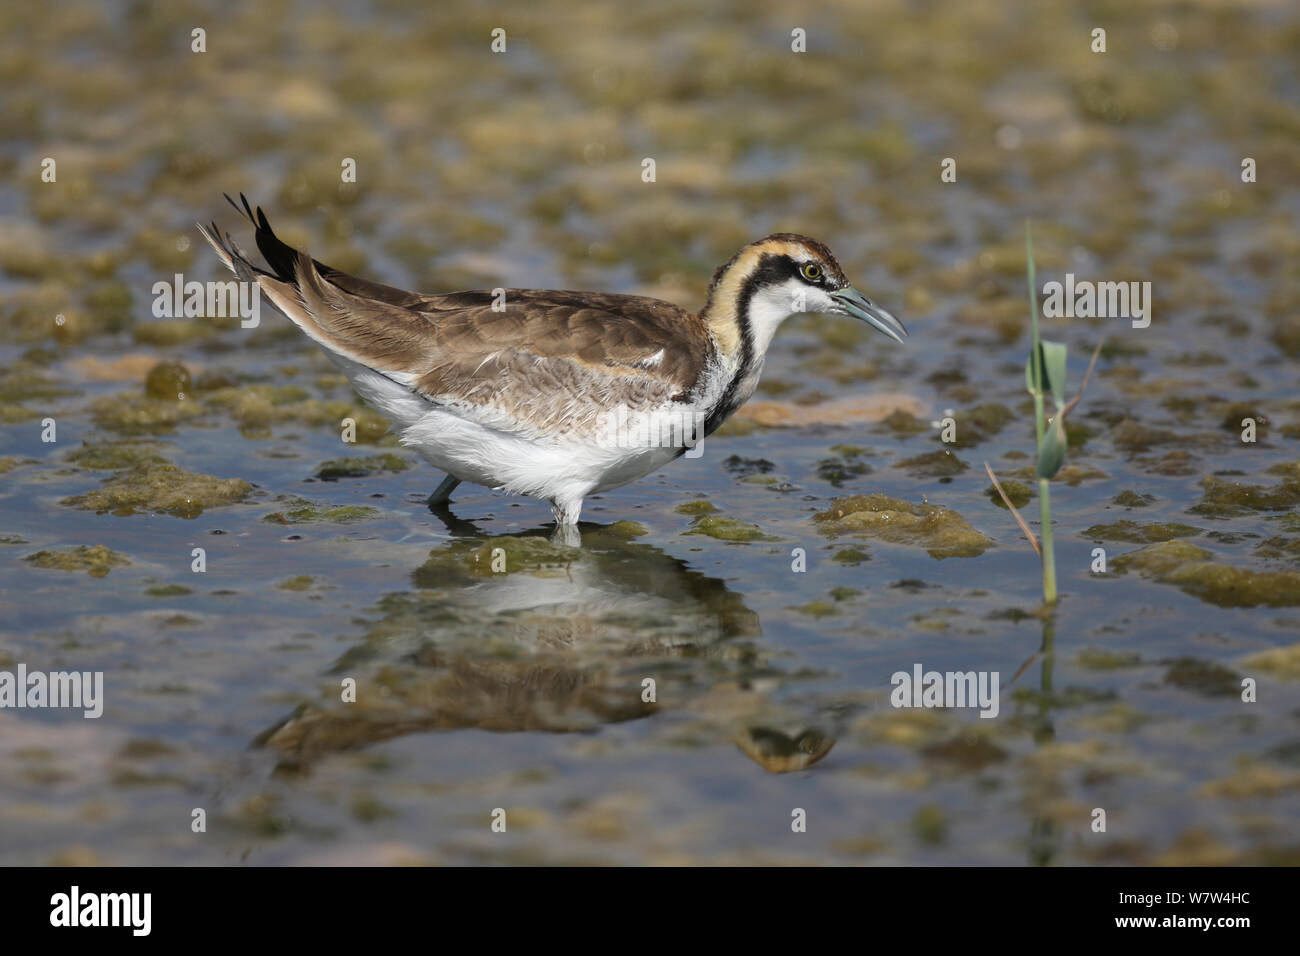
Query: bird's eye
812, 270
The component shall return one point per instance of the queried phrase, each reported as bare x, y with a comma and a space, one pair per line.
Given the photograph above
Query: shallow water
523, 690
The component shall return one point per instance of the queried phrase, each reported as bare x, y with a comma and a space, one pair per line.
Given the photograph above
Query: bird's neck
744, 309
741, 320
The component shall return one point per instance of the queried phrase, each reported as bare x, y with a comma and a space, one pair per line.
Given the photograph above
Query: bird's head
769, 280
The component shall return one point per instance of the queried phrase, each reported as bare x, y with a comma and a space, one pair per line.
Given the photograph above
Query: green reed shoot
1044, 376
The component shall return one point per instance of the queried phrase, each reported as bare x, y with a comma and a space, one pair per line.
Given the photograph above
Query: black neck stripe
771, 269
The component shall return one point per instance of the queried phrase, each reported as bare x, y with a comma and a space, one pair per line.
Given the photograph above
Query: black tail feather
279, 255
243, 212
283, 260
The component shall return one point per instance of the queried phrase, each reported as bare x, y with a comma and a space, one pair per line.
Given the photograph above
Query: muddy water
525, 690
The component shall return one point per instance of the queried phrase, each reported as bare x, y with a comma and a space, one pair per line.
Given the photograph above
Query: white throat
772, 305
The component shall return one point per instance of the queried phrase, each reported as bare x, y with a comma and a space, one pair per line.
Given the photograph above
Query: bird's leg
566, 521
566, 511
442, 494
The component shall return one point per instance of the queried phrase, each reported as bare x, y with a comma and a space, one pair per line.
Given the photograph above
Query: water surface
524, 690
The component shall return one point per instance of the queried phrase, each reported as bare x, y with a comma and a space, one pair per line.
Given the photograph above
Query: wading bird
552, 394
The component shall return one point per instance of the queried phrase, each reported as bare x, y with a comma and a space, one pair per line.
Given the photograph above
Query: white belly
552, 469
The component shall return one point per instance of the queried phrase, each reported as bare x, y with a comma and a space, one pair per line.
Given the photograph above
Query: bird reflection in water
523, 632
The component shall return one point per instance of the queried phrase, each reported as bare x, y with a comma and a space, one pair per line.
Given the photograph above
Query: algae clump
1279, 547
255, 408
160, 486
845, 466
975, 425
1132, 499
168, 590
728, 529
850, 556
1018, 493
942, 532
698, 507
170, 381
1203, 677
1100, 659
902, 423
302, 511
941, 463
142, 413
1282, 661
96, 561
1227, 499
114, 456
337, 468
9, 462
1192, 569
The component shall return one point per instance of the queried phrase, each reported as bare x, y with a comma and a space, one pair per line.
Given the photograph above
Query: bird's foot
566, 522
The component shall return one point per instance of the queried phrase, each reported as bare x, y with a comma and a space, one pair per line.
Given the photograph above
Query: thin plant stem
1029, 535
1044, 485
1049, 553
1036, 358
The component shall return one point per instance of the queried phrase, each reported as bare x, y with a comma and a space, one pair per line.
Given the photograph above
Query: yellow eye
812, 270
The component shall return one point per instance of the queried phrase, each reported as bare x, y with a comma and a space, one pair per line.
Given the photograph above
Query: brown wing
539, 359
623, 335
540, 362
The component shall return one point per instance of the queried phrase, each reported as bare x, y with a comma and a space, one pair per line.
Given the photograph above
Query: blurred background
524, 690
